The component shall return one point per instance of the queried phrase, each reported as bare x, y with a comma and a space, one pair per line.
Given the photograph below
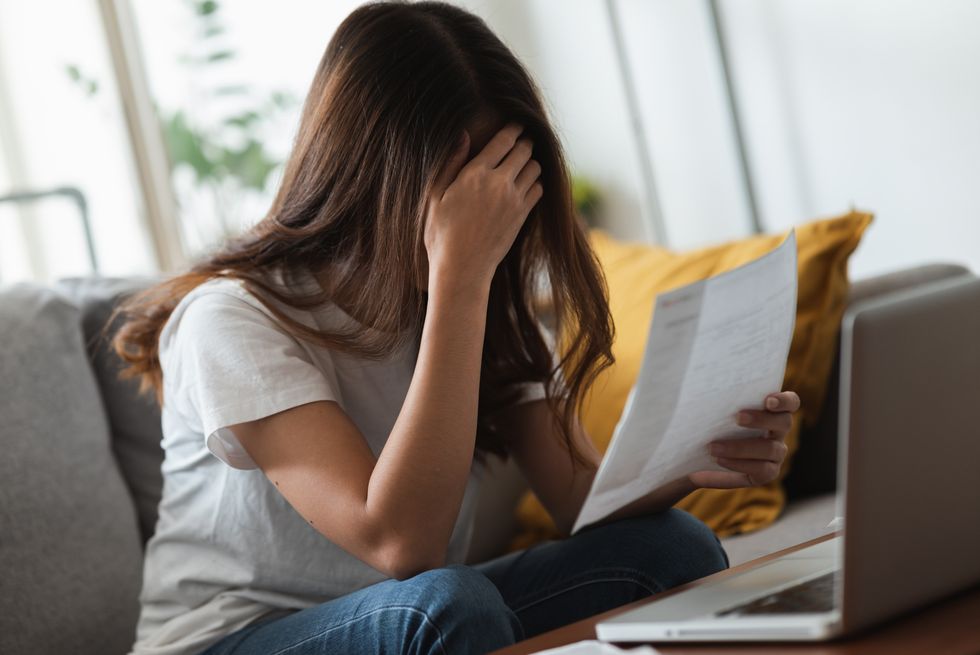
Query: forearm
474, 212
417, 485
565, 507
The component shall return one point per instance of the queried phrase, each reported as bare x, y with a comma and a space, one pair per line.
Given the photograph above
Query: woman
331, 381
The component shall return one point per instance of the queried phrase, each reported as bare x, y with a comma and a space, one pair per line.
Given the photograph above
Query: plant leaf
243, 120
186, 146
207, 7
251, 164
220, 55
283, 99
231, 90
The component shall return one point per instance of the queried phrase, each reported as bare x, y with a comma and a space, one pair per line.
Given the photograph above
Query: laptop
909, 472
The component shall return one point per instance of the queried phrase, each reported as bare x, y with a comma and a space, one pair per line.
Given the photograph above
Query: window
61, 126
228, 80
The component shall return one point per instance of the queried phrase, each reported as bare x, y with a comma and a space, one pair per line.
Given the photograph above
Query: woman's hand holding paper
752, 461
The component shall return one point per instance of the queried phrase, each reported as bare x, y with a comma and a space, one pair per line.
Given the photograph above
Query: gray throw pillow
70, 556
134, 419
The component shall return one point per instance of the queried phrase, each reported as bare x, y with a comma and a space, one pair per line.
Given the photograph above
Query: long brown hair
396, 87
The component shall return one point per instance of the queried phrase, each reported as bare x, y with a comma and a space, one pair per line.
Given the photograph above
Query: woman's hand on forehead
478, 206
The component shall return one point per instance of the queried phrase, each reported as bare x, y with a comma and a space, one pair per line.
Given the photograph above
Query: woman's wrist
459, 285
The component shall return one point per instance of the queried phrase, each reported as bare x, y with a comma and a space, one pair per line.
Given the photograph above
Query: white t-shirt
228, 548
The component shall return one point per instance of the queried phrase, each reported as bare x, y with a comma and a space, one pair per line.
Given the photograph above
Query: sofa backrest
134, 419
70, 555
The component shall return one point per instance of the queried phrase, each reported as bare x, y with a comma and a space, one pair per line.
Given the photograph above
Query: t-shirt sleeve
227, 361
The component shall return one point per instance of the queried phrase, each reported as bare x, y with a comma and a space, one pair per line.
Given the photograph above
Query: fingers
765, 420
517, 158
456, 162
784, 401
719, 480
499, 146
753, 448
756, 471
528, 174
755, 460
533, 196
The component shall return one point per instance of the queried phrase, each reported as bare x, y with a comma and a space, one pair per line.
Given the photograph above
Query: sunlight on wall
873, 103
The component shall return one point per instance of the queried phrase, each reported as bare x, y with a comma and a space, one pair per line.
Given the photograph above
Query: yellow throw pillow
636, 273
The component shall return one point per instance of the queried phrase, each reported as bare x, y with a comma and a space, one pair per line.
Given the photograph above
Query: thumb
453, 166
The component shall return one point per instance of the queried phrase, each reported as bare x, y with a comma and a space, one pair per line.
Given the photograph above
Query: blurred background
136, 134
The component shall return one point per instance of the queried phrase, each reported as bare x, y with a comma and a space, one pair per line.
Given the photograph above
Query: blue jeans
476, 609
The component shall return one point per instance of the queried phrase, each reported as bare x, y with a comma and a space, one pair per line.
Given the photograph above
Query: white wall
873, 103
675, 68
672, 67
569, 50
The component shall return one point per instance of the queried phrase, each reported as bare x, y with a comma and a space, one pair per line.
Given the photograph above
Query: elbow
403, 559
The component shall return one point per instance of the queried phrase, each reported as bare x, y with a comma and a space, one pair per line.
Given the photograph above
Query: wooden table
950, 627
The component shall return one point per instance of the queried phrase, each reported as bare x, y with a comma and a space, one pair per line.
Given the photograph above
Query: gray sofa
80, 471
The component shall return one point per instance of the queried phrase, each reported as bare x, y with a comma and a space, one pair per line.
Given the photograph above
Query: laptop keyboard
814, 595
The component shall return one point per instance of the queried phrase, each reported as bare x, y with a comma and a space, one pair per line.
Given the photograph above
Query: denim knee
465, 607
671, 547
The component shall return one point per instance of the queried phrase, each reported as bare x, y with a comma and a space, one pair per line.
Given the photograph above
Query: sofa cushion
70, 555
134, 419
803, 520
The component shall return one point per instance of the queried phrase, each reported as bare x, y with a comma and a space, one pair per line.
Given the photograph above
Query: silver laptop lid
910, 416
